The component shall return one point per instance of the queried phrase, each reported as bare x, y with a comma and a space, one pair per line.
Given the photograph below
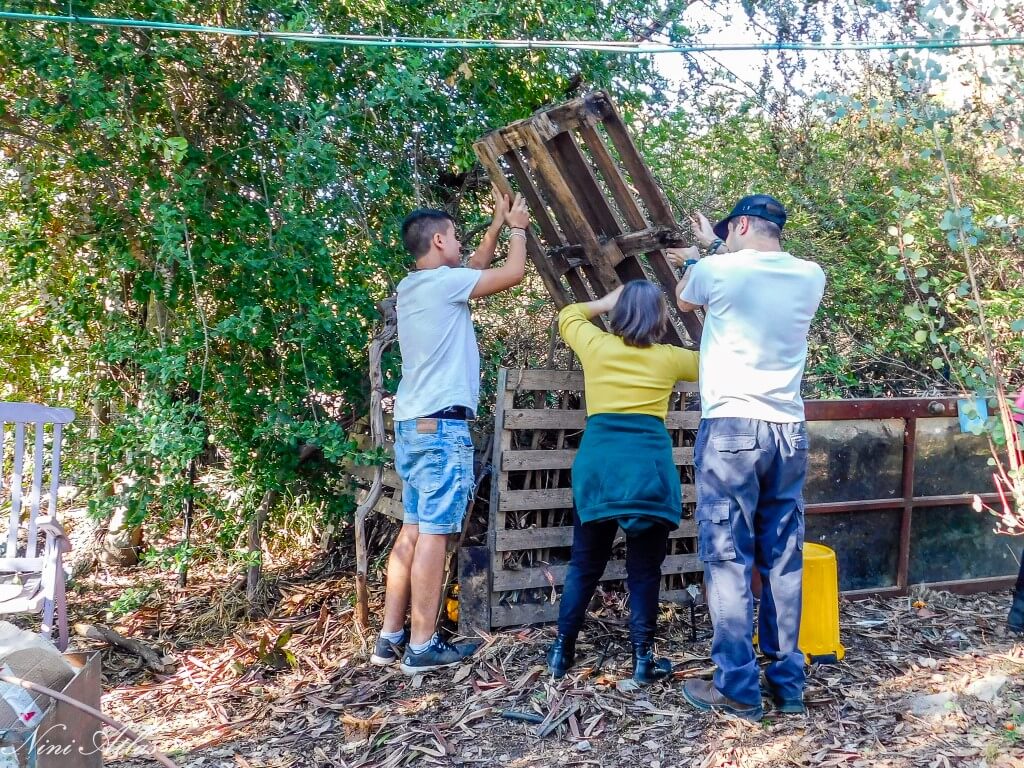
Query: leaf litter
231, 702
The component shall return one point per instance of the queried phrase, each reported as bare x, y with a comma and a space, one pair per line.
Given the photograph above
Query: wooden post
381, 341
474, 590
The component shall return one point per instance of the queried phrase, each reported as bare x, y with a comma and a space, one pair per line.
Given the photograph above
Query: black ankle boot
646, 668
561, 655
1015, 621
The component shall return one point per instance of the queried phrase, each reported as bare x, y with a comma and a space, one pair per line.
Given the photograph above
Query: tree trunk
252, 575
381, 341
121, 543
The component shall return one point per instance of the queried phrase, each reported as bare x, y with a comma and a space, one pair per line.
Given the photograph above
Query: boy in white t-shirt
751, 450
437, 394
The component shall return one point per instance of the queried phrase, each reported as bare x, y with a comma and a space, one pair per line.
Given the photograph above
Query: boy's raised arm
510, 273
484, 253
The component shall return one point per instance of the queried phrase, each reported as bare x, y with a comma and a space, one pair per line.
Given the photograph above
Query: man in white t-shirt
437, 395
751, 450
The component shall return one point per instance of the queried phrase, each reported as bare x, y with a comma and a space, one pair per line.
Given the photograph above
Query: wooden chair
31, 568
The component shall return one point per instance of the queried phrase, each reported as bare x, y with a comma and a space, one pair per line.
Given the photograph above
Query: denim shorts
436, 468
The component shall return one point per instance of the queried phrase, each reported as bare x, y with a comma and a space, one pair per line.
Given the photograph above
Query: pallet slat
560, 498
544, 538
543, 576
552, 418
544, 379
547, 459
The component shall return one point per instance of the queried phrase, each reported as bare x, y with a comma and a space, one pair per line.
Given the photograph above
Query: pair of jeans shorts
435, 462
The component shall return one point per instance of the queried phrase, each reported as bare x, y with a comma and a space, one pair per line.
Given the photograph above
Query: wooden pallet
539, 419
602, 218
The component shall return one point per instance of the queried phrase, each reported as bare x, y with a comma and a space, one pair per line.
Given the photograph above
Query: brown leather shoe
703, 695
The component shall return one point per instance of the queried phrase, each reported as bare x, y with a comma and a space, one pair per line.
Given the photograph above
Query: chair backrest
28, 426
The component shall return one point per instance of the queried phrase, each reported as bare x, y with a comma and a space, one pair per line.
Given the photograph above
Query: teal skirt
624, 470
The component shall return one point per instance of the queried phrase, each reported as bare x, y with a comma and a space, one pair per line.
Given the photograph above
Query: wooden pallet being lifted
602, 217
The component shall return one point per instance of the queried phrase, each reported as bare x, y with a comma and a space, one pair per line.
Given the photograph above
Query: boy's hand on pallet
518, 216
502, 203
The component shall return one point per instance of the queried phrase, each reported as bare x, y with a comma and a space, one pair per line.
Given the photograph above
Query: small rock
629, 684
927, 663
583, 746
933, 704
986, 689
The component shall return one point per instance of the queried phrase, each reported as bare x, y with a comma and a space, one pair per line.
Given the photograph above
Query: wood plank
365, 473
474, 590
30, 413
499, 480
580, 177
567, 211
561, 536
651, 239
553, 418
526, 614
546, 379
487, 154
641, 176
553, 236
612, 176
561, 498
530, 578
548, 459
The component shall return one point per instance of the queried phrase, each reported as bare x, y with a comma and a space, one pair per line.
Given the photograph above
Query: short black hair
419, 228
640, 317
765, 228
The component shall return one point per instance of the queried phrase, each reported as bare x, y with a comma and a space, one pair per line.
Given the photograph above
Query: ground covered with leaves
929, 680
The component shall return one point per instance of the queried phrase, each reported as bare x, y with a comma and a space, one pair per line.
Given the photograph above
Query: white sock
421, 647
393, 637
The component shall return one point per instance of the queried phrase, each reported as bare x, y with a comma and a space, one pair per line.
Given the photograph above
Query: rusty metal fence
890, 487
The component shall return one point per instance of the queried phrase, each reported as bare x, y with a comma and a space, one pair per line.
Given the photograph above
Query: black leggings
591, 548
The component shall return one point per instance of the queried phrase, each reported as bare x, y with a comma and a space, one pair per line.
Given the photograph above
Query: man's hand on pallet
678, 257
703, 232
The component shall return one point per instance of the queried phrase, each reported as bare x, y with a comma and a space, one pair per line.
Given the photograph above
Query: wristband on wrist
686, 265
520, 231
715, 245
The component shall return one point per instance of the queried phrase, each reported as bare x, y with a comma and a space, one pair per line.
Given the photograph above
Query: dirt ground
295, 689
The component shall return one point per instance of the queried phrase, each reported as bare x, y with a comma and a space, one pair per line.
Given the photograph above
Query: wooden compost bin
538, 421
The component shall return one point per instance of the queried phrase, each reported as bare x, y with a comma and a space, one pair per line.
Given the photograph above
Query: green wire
445, 43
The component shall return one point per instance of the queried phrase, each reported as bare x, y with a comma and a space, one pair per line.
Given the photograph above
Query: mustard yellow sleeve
687, 364
576, 329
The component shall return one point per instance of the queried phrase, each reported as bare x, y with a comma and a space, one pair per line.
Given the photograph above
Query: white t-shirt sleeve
459, 282
698, 288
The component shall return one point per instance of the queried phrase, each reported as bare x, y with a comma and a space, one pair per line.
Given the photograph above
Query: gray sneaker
437, 655
388, 652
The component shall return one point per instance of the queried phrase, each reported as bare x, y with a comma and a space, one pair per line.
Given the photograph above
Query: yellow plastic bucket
819, 622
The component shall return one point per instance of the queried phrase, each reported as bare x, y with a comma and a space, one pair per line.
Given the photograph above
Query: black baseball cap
763, 206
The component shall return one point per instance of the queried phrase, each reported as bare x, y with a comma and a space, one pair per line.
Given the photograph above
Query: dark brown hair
640, 317
419, 228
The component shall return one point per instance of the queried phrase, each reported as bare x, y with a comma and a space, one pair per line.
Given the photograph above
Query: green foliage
130, 601
196, 230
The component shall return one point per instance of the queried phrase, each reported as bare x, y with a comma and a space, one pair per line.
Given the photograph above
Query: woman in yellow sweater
624, 475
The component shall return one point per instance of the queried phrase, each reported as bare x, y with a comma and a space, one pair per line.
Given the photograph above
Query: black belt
455, 412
